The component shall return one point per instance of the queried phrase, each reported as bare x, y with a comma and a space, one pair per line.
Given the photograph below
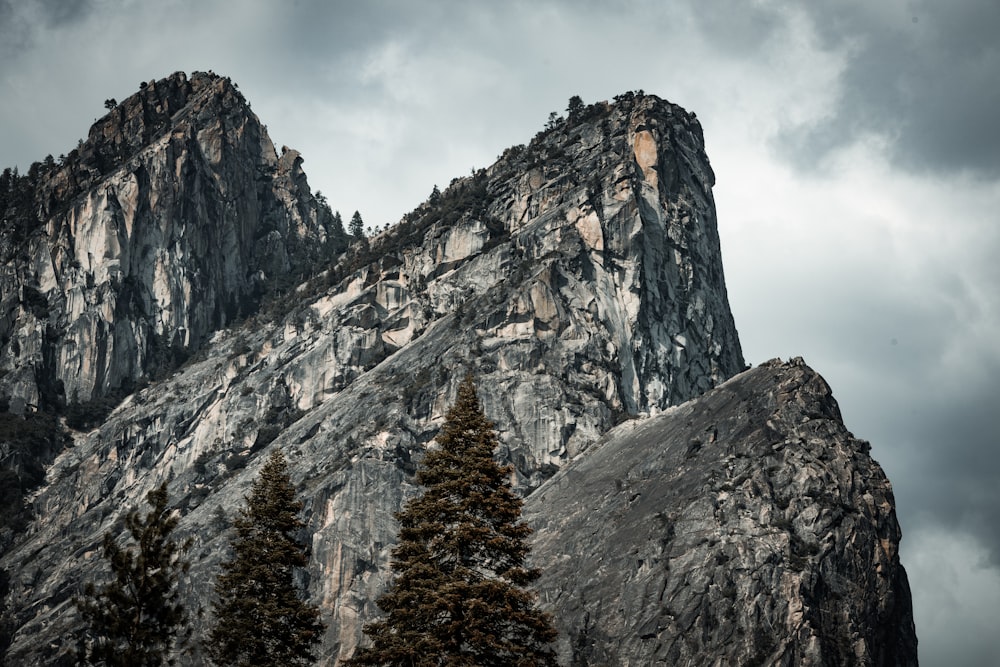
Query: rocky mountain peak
579, 279
132, 125
168, 223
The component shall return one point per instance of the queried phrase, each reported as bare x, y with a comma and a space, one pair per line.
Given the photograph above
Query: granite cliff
173, 219
168, 223
579, 278
744, 527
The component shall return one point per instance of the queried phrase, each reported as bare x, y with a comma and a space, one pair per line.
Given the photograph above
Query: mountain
744, 527
167, 224
171, 221
579, 278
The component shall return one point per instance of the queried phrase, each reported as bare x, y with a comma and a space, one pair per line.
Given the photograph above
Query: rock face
579, 278
167, 224
747, 526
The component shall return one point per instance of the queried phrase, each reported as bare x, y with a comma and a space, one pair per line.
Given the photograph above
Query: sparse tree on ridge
575, 106
459, 596
337, 224
259, 616
356, 227
134, 620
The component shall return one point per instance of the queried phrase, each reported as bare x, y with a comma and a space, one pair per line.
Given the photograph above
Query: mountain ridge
744, 510
579, 278
104, 260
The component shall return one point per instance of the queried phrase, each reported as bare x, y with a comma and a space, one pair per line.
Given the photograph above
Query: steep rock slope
745, 527
166, 224
579, 277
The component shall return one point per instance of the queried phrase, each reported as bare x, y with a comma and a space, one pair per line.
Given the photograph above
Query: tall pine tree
135, 619
259, 617
459, 596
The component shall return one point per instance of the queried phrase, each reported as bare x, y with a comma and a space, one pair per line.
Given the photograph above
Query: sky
856, 147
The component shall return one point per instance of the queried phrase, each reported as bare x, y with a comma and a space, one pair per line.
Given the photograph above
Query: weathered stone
171, 222
747, 526
579, 278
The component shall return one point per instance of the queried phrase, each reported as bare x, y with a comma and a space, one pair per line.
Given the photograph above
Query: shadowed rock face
579, 278
747, 526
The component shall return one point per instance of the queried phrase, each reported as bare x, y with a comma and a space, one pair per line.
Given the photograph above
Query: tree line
459, 595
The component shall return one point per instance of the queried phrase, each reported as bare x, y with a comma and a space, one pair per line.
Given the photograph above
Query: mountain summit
579, 279
168, 223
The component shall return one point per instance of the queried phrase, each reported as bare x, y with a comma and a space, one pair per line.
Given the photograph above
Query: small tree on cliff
459, 596
135, 619
259, 617
356, 227
575, 107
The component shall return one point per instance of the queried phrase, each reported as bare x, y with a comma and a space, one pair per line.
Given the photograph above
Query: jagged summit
131, 126
579, 279
168, 223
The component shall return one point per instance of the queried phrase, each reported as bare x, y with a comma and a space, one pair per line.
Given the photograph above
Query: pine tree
356, 227
459, 595
575, 107
337, 226
259, 617
135, 619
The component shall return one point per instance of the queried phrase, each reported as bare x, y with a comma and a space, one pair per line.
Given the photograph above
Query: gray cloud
20, 22
925, 77
738, 27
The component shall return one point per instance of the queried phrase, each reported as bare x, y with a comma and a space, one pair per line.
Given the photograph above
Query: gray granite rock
167, 224
745, 527
579, 278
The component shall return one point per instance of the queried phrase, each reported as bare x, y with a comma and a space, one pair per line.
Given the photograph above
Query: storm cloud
922, 74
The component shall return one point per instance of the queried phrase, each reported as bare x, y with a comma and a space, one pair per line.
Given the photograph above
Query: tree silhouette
575, 107
459, 595
259, 617
356, 227
135, 619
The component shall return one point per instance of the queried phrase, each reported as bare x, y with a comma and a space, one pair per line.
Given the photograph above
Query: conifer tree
135, 619
259, 616
337, 225
356, 227
459, 595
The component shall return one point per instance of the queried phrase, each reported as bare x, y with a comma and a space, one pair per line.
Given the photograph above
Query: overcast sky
855, 143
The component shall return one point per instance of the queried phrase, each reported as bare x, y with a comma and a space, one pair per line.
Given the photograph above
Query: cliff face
747, 526
167, 224
579, 278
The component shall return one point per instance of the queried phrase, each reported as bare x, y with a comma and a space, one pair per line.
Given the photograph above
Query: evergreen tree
575, 107
337, 225
356, 227
259, 617
459, 595
135, 619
